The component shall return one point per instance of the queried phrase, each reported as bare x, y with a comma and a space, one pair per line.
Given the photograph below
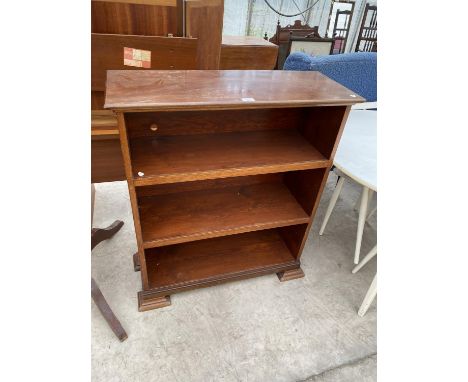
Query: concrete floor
252, 330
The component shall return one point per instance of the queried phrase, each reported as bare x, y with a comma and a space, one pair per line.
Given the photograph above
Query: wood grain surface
216, 259
169, 159
221, 89
106, 160
139, 17
107, 53
188, 216
204, 20
247, 53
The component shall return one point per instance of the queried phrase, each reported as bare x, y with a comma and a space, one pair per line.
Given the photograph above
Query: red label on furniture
137, 57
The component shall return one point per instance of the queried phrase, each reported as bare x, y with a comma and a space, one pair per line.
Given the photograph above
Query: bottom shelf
205, 262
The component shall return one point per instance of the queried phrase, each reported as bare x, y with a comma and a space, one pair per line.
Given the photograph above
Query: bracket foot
290, 275
148, 303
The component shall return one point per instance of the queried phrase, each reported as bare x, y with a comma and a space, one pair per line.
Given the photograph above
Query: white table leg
371, 213
358, 202
361, 221
332, 203
366, 259
370, 198
370, 295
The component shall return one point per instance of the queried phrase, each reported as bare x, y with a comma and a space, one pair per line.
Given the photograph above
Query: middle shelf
181, 216
180, 158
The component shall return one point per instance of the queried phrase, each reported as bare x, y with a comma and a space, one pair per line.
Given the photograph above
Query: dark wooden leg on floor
107, 312
290, 275
100, 234
136, 262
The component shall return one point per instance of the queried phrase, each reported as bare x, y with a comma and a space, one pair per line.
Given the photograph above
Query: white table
356, 158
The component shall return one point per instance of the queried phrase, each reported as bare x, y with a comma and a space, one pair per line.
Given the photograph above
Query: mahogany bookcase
225, 170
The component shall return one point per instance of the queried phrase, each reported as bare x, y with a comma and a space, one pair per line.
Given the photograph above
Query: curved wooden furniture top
222, 89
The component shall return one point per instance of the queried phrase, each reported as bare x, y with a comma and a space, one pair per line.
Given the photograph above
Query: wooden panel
204, 20
305, 186
209, 184
133, 198
334, 133
97, 100
321, 127
107, 52
222, 89
188, 216
293, 236
185, 265
215, 121
104, 122
134, 18
168, 3
246, 52
180, 158
248, 57
106, 161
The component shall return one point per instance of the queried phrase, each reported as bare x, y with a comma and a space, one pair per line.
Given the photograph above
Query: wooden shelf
187, 216
169, 159
216, 260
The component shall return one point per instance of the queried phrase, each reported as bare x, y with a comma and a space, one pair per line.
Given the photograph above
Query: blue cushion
356, 71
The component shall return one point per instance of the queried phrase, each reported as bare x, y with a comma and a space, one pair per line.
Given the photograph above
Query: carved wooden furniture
283, 34
367, 38
225, 170
98, 235
247, 53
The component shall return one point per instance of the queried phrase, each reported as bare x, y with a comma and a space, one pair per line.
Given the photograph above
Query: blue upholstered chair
356, 71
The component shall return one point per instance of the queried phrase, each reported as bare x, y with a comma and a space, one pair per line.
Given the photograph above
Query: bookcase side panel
324, 127
133, 198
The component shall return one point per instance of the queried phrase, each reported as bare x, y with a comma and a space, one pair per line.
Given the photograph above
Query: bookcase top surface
158, 90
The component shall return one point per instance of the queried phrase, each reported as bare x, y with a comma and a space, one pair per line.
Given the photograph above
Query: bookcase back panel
210, 184
207, 122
